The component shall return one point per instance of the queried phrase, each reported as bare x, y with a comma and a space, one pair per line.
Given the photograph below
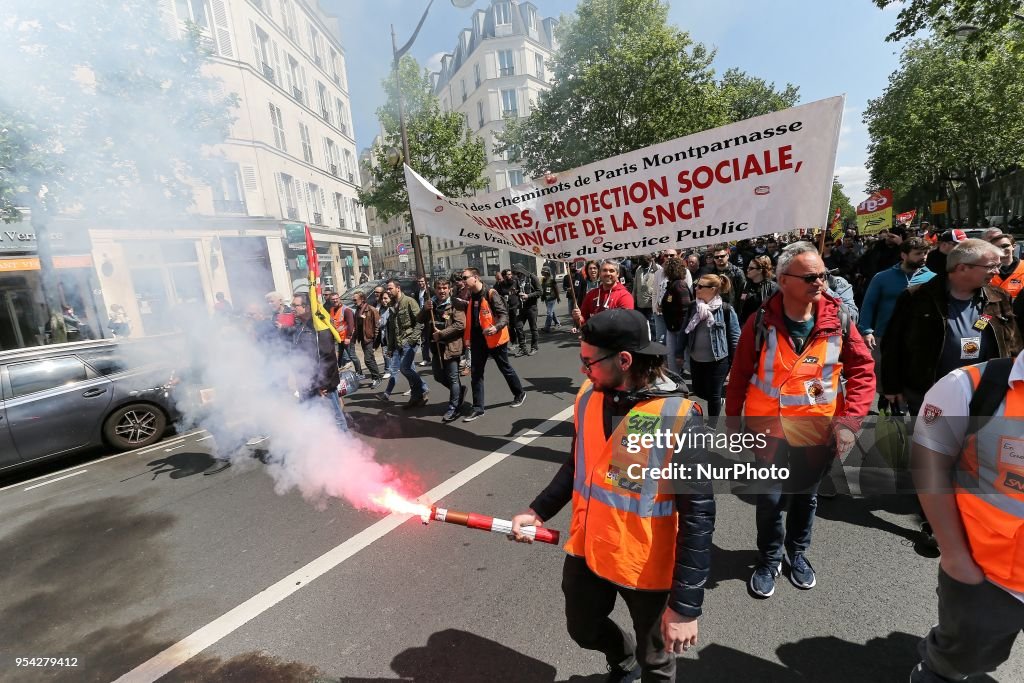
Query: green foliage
624, 79
839, 198
948, 115
945, 16
441, 147
102, 110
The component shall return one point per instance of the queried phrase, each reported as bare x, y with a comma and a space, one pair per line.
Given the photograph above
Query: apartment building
497, 70
289, 160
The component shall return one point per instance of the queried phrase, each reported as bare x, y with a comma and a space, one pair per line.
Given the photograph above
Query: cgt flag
837, 224
321, 319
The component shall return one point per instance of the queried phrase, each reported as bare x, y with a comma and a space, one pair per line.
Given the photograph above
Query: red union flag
837, 224
874, 214
907, 217
321, 318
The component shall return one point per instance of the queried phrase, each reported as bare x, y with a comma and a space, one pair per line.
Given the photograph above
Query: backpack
990, 392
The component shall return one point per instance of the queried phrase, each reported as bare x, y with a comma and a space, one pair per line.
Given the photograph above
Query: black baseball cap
621, 329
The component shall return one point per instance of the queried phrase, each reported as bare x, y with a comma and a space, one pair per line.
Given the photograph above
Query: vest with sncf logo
624, 528
990, 487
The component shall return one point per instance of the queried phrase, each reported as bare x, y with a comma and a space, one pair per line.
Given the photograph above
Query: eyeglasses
462, 278
700, 286
587, 364
298, 305
721, 256
986, 266
809, 278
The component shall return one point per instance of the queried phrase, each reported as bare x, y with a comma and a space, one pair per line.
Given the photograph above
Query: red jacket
618, 297
858, 366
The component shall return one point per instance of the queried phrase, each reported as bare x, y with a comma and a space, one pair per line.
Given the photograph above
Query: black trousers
527, 315
589, 600
480, 352
708, 382
371, 360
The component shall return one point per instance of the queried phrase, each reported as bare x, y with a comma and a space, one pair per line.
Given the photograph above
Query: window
263, 51
278, 123
463, 89
339, 205
314, 193
531, 18
286, 191
325, 110
476, 74
480, 114
331, 157
349, 166
40, 375
192, 10
106, 361
539, 59
502, 14
296, 80
335, 67
288, 20
226, 187
307, 149
506, 64
315, 46
342, 115
509, 106
515, 177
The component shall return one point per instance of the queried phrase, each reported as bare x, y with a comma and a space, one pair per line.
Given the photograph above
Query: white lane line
180, 445
179, 653
109, 457
66, 476
205, 438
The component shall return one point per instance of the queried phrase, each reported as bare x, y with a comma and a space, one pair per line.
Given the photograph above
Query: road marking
179, 653
180, 445
66, 476
205, 438
109, 457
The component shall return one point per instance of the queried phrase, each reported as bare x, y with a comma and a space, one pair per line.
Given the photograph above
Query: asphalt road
140, 566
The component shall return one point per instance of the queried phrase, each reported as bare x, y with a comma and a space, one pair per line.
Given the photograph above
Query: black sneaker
617, 675
801, 573
476, 414
518, 400
762, 581
415, 402
450, 416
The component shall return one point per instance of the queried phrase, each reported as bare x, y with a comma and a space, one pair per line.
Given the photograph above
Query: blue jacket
880, 299
725, 333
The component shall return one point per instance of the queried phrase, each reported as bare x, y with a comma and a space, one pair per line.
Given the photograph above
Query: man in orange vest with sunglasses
803, 377
968, 464
487, 337
643, 538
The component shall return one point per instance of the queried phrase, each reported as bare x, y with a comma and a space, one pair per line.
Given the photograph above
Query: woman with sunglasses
759, 288
713, 334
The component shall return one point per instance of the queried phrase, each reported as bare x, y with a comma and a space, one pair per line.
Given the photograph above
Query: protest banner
907, 217
767, 174
874, 214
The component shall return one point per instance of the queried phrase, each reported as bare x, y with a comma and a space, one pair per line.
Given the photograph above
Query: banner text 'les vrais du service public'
767, 174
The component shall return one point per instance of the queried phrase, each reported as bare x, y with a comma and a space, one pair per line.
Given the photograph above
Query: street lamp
398, 53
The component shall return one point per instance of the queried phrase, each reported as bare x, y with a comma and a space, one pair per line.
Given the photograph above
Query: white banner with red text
767, 174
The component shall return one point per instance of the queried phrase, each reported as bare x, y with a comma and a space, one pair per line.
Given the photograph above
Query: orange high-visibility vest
1012, 283
624, 528
486, 319
338, 319
990, 489
794, 396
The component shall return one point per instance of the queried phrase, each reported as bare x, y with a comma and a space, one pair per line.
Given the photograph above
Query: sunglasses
587, 364
809, 278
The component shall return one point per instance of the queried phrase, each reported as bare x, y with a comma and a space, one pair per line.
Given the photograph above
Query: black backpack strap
990, 392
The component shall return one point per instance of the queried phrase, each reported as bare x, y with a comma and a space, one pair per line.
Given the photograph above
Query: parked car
408, 285
67, 397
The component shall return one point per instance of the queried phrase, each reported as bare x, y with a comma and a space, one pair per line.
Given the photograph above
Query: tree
106, 115
948, 116
623, 79
749, 96
945, 16
848, 213
441, 147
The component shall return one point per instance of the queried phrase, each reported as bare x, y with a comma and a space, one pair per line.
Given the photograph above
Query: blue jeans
676, 343
394, 365
797, 497
416, 383
347, 353
659, 328
552, 317
335, 404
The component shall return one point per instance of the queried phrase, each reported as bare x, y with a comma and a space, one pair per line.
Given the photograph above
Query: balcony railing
268, 71
318, 218
297, 94
333, 168
228, 206
507, 71
326, 115
351, 178
341, 223
293, 213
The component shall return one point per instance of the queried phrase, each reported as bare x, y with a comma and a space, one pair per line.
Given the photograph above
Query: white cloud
434, 62
854, 180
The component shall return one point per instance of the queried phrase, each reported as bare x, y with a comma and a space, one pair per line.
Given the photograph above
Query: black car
67, 397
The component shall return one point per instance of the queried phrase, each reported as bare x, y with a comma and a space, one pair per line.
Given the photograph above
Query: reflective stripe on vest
990, 488
625, 529
805, 386
1013, 283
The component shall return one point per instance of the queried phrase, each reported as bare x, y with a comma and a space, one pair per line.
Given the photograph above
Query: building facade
499, 67
289, 160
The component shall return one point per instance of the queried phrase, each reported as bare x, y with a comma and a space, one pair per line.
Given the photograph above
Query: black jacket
529, 286
316, 359
696, 510
912, 344
509, 291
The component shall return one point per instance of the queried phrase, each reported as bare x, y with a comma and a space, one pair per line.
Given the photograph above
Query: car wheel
135, 426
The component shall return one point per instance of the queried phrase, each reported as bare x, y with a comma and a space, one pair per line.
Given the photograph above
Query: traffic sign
402, 249
376, 241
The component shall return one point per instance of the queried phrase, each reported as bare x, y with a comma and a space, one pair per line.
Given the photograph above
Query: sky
825, 48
